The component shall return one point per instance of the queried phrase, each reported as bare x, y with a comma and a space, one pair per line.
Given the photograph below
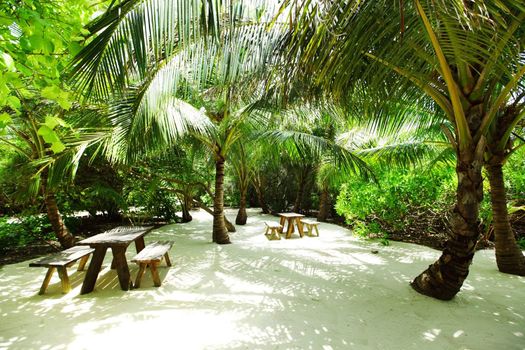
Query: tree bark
186, 205
65, 238
324, 205
220, 233
300, 191
509, 256
257, 183
242, 217
444, 278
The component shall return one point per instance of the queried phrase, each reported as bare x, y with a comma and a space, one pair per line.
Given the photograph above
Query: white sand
329, 292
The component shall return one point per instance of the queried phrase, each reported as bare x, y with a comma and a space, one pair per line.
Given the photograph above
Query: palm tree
51, 157
464, 57
148, 54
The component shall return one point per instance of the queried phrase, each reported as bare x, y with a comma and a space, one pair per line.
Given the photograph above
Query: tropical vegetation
402, 126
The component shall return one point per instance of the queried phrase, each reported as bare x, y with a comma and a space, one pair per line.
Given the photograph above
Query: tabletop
118, 235
291, 215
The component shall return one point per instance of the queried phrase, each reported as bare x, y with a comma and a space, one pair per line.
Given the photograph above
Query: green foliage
28, 230
374, 210
521, 242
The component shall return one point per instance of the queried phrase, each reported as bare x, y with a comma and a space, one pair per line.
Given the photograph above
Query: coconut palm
464, 57
50, 156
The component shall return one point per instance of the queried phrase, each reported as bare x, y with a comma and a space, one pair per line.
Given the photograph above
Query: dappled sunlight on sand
327, 292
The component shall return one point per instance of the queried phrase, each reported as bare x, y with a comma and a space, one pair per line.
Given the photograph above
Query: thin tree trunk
324, 205
509, 257
242, 217
444, 278
300, 191
65, 238
220, 233
257, 183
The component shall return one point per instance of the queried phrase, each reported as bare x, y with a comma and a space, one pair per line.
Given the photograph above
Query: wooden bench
274, 229
61, 261
311, 225
152, 255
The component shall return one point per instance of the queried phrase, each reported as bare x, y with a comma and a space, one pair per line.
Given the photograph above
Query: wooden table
118, 239
291, 218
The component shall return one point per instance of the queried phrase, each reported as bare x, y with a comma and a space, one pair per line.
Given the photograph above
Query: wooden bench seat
311, 225
273, 230
151, 256
61, 261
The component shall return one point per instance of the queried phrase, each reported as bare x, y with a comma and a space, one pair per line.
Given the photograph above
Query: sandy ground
329, 292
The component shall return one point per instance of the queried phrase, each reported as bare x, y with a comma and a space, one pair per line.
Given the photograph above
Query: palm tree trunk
509, 257
242, 217
65, 238
444, 278
324, 205
220, 233
186, 205
257, 183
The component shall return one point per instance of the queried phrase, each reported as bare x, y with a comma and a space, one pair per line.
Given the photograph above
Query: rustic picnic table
292, 218
118, 239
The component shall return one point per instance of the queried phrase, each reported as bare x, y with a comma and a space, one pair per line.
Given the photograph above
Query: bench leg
140, 273
62, 273
267, 229
82, 263
155, 274
275, 233
167, 257
281, 222
49, 274
316, 230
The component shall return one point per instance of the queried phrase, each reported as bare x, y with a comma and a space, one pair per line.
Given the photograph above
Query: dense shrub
28, 230
400, 197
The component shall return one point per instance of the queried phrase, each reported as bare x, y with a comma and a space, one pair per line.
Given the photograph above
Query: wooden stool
311, 225
274, 229
151, 256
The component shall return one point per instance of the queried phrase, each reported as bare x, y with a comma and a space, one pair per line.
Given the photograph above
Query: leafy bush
375, 210
28, 230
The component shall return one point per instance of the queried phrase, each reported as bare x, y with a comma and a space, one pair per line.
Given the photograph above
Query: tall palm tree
147, 54
464, 57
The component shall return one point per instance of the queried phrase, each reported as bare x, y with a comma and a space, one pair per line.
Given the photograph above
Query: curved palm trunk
444, 278
220, 233
242, 217
324, 205
509, 257
65, 238
186, 205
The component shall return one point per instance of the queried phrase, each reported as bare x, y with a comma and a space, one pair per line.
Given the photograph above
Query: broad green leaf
51, 92
48, 134
9, 62
14, 102
5, 119
57, 147
51, 122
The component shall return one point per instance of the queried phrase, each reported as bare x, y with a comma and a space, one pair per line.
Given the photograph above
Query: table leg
299, 226
139, 244
290, 228
281, 222
119, 257
94, 268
